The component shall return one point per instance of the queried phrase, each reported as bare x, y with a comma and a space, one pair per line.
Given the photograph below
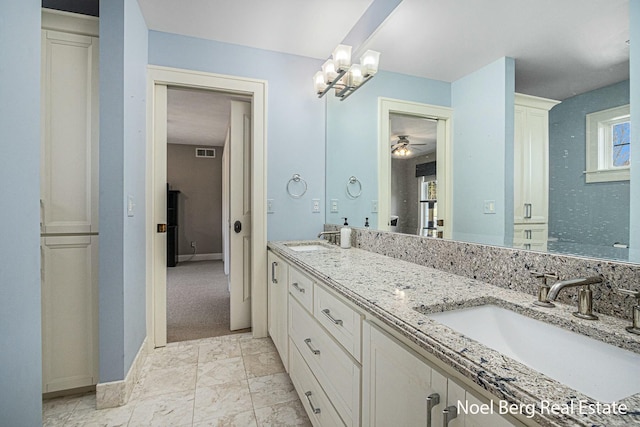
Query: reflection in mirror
584, 218
413, 175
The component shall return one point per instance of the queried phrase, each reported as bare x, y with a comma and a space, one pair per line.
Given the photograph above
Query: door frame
387, 106
257, 90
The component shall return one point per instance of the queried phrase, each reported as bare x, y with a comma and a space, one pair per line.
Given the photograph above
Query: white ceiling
198, 117
561, 48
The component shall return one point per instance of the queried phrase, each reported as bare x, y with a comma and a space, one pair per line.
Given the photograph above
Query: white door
240, 215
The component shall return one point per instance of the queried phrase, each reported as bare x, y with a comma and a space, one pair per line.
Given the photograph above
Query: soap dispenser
345, 236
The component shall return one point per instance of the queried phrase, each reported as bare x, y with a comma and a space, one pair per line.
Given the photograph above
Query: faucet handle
543, 289
635, 294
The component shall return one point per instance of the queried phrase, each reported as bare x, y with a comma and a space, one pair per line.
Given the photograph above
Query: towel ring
354, 180
296, 178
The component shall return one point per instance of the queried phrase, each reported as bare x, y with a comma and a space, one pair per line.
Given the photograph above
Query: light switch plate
131, 206
374, 206
316, 206
489, 206
269, 206
334, 205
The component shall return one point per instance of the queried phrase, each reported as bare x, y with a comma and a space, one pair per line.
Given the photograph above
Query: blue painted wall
123, 52
634, 210
595, 213
352, 139
20, 342
295, 122
483, 104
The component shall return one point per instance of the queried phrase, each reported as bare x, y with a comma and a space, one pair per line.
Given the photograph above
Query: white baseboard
117, 393
199, 257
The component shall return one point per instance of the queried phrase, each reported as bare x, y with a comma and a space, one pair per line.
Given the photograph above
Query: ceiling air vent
206, 152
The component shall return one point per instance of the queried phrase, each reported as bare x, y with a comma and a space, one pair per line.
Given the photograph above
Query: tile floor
233, 380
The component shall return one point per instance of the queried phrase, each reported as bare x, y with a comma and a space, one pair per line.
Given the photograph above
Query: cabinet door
396, 384
69, 312
531, 165
277, 305
69, 165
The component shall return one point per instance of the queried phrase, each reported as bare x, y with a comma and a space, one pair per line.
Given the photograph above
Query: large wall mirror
572, 71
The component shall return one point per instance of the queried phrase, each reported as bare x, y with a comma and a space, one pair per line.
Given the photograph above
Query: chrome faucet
334, 236
585, 296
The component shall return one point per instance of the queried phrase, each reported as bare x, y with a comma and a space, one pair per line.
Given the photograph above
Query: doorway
160, 79
442, 116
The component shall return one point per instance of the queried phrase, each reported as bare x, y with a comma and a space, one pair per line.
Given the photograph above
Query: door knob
237, 226
162, 228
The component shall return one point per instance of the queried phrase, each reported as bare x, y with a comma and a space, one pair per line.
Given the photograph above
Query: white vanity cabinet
277, 311
401, 388
531, 170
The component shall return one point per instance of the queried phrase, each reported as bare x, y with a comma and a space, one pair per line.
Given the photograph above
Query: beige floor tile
174, 409
163, 381
219, 349
112, 417
244, 419
59, 405
282, 414
221, 372
271, 390
256, 346
259, 365
221, 401
173, 355
55, 420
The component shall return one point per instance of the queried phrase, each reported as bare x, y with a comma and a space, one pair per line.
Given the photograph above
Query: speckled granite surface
508, 268
396, 291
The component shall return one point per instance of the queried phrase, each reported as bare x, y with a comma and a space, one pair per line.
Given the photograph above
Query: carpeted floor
197, 301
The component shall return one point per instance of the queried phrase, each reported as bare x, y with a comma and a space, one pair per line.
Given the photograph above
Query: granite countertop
399, 294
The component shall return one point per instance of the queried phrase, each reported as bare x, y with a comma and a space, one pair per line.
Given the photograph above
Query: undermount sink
308, 247
601, 371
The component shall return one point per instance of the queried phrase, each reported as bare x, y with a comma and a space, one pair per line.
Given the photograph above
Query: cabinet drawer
342, 322
301, 287
313, 398
335, 370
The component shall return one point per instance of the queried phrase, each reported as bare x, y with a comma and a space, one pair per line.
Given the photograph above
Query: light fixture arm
338, 73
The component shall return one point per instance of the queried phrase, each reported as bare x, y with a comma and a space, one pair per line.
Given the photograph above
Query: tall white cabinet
69, 201
531, 171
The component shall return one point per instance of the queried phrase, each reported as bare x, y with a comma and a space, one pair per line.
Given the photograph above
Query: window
608, 145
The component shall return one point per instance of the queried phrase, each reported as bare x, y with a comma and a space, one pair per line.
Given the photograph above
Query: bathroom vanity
361, 348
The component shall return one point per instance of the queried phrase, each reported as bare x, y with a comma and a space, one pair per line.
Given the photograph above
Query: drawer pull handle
295, 285
313, 408
313, 350
449, 413
432, 401
327, 313
273, 272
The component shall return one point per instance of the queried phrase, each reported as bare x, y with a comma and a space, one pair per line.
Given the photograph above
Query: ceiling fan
401, 147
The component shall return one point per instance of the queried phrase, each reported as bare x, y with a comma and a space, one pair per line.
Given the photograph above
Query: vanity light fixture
344, 77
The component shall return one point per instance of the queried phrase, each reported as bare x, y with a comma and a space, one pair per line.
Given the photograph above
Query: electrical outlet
316, 206
334, 205
269, 206
374, 206
193, 244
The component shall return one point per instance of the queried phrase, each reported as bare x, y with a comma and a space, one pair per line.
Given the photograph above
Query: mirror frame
444, 160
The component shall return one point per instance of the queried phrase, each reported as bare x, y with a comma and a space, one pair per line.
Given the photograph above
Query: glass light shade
329, 71
355, 75
342, 57
318, 82
369, 61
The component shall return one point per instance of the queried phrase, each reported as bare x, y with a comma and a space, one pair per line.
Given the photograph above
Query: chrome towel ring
296, 178
352, 181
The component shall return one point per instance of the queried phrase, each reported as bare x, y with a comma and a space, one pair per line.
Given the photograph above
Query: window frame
599, 145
